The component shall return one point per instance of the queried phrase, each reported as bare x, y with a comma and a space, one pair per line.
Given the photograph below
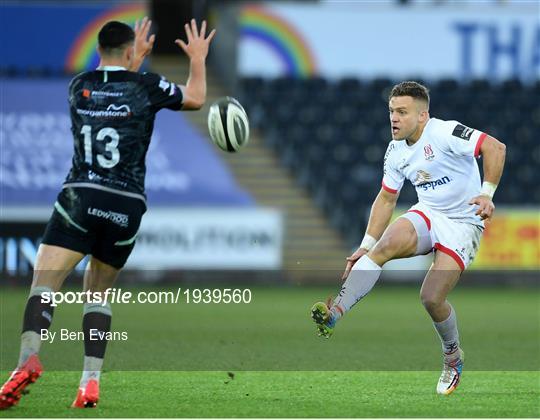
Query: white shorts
437, 232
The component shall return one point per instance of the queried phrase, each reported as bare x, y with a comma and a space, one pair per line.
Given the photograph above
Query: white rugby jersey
442, 167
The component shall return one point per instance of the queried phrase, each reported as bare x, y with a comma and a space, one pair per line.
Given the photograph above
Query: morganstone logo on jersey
112, 111
113, 107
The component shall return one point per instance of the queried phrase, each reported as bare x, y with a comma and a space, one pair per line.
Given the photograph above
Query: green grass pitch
383, 360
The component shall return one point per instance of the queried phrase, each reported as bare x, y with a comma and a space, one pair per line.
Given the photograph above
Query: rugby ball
228, 124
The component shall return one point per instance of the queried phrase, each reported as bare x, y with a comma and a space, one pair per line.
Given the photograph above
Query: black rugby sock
37, 317
96, 325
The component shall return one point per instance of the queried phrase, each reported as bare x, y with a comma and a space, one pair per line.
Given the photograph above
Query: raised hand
143, 43
197, 45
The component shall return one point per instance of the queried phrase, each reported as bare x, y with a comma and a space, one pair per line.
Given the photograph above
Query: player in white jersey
439, 159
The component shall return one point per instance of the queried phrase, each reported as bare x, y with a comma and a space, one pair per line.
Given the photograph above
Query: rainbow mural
275, 32
82, 54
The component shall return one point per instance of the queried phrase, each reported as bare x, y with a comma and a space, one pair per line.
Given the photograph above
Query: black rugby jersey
112, 118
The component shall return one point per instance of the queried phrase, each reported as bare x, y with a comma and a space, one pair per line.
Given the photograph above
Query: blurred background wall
314, 78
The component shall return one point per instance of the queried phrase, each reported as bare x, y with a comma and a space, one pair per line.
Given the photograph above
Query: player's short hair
114, 37
412, 89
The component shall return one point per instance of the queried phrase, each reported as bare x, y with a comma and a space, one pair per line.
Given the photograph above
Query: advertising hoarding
381, 39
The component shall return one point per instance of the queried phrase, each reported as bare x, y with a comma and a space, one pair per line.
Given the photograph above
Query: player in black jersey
100, 206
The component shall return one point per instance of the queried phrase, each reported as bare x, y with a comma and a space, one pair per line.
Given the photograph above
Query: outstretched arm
143, 43
379, 218
197, 50
493, 152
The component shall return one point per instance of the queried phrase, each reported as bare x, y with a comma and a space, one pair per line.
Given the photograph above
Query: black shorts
96, 222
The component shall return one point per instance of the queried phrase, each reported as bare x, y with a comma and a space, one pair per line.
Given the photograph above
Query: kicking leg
98, 277
440, 280
398, 241
51, 268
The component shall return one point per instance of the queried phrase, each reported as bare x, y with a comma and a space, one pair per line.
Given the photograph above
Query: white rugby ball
228, 124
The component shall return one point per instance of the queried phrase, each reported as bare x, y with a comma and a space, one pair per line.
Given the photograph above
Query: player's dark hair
114, 36
412, 89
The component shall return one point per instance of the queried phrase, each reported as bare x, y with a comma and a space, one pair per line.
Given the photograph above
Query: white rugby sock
361, 280
91, 370
448, 332
30, 344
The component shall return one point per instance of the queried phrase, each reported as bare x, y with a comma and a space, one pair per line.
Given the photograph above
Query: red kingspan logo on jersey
86, 93
428, 152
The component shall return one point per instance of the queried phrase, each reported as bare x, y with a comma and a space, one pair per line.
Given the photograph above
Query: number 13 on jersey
111, 138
